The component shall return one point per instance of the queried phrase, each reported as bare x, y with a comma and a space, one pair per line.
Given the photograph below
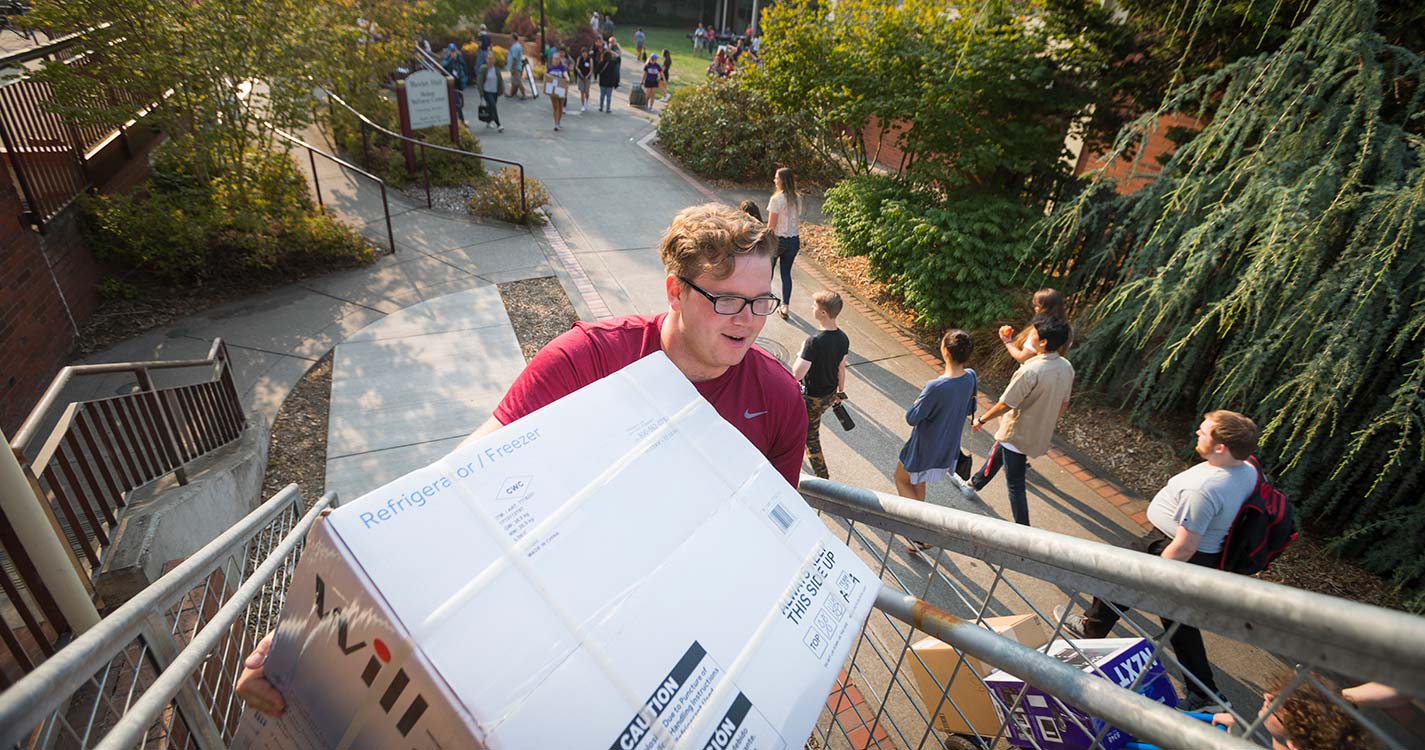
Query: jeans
787, 249
1100, 618
1015, 464
606, 98
490, 99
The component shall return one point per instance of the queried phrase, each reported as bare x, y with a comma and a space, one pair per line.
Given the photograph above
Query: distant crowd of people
598, 65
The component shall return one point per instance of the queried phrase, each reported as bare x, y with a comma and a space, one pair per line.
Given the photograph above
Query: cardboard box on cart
1042, 721
617, 570
966, 689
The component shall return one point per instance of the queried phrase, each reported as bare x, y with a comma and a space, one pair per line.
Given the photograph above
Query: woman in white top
783, 213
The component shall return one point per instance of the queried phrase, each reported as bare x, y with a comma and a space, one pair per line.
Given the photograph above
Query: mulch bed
297, 451
1141, 459
539, 310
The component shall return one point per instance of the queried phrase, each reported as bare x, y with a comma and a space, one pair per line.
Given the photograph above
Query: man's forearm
1176, 551
488, 427
999, 408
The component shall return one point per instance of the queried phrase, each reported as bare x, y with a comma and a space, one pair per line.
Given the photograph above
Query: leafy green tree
221, 72
1277, 266
985, 93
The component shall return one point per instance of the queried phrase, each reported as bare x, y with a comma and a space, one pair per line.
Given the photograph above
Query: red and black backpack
1262, 530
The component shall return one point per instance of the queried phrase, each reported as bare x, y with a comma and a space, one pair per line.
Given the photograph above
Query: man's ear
674, 288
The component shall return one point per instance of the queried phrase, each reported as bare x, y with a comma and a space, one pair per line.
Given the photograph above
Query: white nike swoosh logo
750, 414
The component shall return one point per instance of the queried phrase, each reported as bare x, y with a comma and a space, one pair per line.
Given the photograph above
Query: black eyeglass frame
714, 298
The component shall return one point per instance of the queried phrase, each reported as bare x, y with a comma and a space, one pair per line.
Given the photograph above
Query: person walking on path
618, 62
556, 82
1037, 394
937, 419
1191, 516
454, 64
606, 27
652, 74
484, 45
584, 71
491, 83
516, 65
1024, 345
783, 213
667, 62
639, 39
821, 367
608, 79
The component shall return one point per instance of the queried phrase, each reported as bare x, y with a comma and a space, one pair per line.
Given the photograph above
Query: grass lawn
688, 67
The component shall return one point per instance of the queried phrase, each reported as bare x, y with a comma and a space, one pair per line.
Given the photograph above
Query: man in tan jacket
1036, 396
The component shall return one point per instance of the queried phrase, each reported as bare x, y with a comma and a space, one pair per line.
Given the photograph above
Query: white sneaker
1073, 621
666, 97
583, 108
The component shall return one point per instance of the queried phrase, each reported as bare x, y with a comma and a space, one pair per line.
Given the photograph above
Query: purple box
1042, 721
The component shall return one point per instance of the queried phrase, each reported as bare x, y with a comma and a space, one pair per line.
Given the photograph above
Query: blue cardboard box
1039, 720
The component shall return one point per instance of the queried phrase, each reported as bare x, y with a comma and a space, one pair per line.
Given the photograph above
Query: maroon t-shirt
757, 396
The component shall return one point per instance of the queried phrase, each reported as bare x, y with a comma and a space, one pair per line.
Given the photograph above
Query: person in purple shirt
557, 74
652, 75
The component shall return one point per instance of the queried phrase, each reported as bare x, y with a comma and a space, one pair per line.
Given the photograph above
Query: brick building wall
37, 337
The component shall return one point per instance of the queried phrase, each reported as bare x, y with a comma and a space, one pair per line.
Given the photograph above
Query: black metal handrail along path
92, 459
312, 152
367, 125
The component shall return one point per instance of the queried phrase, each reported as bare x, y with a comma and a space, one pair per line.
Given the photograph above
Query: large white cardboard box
618, 570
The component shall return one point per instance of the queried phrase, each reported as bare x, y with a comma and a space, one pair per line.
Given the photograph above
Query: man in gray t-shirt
1191, 516
1203, 500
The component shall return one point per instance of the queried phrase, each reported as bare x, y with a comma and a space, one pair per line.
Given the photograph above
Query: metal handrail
366, 122
1353, 639
36, 696
31, 425
1141, 716
316, 181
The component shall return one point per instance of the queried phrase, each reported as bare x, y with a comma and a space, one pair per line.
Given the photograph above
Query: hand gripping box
938, 669
1040, 720
618, 570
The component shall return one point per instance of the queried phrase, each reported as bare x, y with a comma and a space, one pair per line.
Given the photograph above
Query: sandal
782, 311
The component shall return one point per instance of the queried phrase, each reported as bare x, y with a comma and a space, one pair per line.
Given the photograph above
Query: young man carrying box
719, 281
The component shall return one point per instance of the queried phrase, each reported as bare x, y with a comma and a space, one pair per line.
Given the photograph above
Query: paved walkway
418, 368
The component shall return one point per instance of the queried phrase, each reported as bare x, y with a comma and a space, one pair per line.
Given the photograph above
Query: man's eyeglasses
731, 304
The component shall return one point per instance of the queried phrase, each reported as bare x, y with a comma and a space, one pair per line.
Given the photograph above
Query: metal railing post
316, 181
42, 540
172, 446
386, 206
425, 167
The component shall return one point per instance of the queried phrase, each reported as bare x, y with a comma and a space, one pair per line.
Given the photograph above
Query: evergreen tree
1275, 267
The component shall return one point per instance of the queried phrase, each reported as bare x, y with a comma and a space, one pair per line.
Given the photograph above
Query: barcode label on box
781, 517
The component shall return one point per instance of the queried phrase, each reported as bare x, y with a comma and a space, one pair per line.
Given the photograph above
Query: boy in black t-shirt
822, 370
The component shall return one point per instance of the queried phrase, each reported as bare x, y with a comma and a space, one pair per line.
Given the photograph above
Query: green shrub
179, 230
382, 155
722, 130
953, 259
499, 198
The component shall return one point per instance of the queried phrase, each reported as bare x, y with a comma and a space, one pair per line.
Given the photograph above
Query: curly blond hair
708, 239
1312, 720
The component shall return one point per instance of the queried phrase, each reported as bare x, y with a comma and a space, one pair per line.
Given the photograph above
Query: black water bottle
843, 416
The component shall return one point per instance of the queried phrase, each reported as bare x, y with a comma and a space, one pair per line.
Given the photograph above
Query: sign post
403, 107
